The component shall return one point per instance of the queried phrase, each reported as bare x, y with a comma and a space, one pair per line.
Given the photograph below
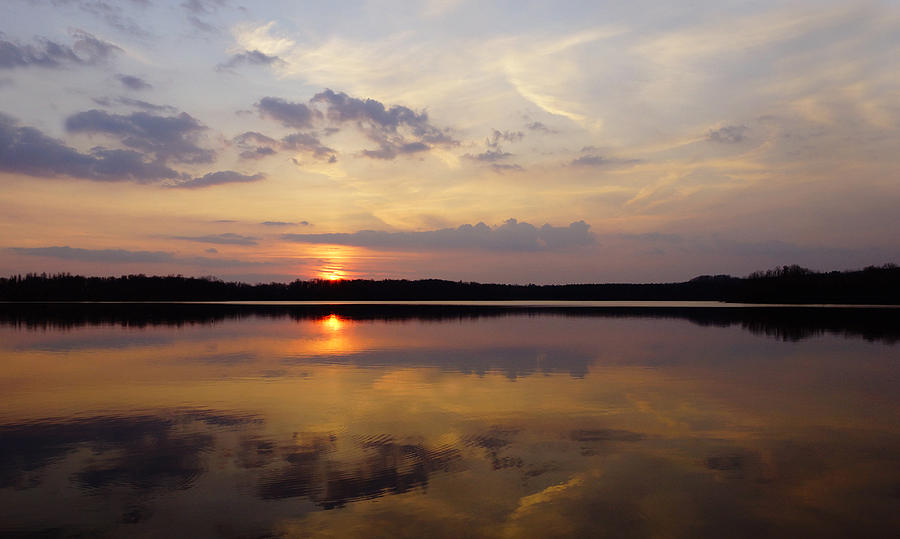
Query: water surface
197, 420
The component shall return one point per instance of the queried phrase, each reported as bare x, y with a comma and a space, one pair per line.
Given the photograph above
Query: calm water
448, 421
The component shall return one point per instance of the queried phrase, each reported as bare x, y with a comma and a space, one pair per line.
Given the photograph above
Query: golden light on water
333, 322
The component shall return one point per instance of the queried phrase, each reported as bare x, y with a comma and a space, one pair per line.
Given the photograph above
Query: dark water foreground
185, 420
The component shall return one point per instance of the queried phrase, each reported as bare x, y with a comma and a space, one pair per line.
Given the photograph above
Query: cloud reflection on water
505, 424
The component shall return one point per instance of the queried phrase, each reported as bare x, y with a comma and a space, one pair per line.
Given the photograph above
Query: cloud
256, 145
203, 7
218, 178
730, 134
65, 252
26, 150
284, 223
392, 150
390, 127
494, 150
253, 57
133, 83
512, 235
168, 137
597, 161
288, 113
489, 156
96, 255
501, 168
257, 153
248, 137
221, 239
110, 13
135, 103
538, 126
498, 136
85, 50
397, 130
308, 143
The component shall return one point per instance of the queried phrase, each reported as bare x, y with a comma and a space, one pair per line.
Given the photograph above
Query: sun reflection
333, 322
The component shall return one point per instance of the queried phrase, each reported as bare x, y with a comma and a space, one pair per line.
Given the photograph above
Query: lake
466, 420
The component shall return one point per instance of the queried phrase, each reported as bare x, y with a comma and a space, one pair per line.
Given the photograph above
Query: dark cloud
730, 134
392, 150
92, 50
31, 446
510, 236
203, 7
343, 108
256, 145
252, 137
218, 178
494, 151
110, 13
385, 467
498, 136
590, 161
489, 156
597, 161
200, 25
538, 126
135, 103
133, 83
85, 50
284, 223
96, 255
168, 137
253, 57
212, 250
26, 150
308, 143
398, 130
501, 168
257, 153
290, 114
65, 252
222, 239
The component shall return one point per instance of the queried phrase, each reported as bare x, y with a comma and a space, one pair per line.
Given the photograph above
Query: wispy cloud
85, 50
133, 83
123, 256
223, 177
221, 239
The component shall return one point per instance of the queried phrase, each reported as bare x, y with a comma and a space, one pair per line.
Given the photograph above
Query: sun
331, 275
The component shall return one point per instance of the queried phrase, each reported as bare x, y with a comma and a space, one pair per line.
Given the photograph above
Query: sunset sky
541, 142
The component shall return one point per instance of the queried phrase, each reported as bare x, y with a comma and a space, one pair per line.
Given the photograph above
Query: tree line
786, 284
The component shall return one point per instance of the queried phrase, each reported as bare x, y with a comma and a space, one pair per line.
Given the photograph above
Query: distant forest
787, 284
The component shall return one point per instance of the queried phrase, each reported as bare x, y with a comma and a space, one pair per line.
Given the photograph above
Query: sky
519, 142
